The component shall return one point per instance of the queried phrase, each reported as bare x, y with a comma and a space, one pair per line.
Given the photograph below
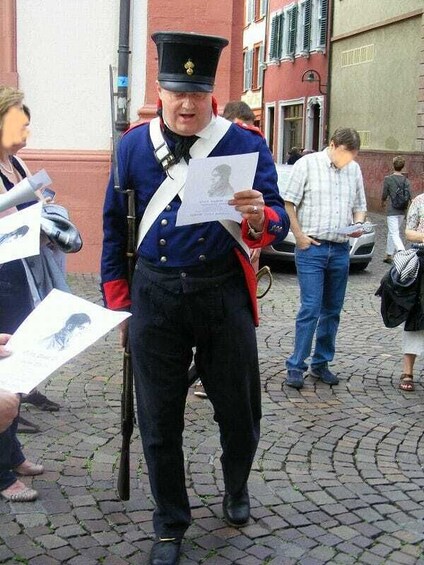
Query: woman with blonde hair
15, 295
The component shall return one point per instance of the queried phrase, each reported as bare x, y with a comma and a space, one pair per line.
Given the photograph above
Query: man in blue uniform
193, 285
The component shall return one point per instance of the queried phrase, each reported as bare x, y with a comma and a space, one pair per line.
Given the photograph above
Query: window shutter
307, 26
323, 27
280, 28
260, 66
292, 31
274, 37
245, 54
250, 10
250, 68
263, 8
248, 62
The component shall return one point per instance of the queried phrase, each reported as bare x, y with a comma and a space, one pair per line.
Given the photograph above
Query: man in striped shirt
324, 194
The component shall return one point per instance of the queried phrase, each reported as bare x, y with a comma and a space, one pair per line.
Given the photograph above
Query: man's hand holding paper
217, 189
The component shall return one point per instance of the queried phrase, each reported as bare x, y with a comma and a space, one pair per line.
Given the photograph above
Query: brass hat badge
189, 66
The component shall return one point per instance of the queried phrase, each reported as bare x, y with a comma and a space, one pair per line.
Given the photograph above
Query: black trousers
174, 311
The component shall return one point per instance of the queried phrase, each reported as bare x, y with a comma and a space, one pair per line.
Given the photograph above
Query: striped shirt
325, 197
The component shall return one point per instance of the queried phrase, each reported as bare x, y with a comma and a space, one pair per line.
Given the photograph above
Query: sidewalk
338, 476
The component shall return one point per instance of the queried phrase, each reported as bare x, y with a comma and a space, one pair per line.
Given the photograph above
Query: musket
118, 126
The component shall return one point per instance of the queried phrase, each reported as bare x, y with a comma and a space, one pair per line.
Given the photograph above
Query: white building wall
64, 51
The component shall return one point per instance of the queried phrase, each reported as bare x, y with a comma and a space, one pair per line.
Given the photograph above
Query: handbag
57, 226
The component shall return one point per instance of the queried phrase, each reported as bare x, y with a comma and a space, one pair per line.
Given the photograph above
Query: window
253, 67
318, 25
292, 29
250, 11
269, 127
261, 66
305, 29
247, 66
293, 128
261, 7
357, 56
365, 137
322, 18
257, 66
276, 34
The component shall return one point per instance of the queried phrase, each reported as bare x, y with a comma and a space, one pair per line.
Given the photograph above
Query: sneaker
294, 378
324, 374
199, 390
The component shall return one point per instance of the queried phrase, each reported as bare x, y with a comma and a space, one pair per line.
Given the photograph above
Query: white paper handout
59, 328
211, 183
40, 180
20, 234
366, 227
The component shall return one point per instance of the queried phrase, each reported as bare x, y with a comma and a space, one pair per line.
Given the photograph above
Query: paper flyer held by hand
20, 234
211, 183
59, 328
366, 227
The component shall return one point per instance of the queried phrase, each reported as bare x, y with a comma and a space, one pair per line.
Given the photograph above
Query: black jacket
401, 303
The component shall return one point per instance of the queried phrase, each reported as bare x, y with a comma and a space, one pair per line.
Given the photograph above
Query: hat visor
176, 86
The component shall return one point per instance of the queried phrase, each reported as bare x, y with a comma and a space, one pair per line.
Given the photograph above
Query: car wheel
358, 267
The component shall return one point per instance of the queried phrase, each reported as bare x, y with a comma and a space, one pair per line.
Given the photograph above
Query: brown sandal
407, 382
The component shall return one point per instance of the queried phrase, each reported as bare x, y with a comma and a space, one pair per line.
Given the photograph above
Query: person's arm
265, 219
303, 241
114, 265
412, 223
385, 192
359, 210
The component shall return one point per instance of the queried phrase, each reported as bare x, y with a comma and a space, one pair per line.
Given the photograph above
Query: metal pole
122, 122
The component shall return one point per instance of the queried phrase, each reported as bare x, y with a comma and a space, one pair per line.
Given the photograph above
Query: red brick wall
376, 165
221, 17
79, 179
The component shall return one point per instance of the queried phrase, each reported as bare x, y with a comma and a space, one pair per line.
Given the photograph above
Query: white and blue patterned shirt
325, 197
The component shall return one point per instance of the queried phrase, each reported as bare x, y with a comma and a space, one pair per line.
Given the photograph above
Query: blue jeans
322, 271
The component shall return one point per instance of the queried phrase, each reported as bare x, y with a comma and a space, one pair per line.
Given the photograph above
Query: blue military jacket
165, 244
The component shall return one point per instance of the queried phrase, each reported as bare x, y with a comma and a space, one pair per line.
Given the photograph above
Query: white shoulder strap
177, 174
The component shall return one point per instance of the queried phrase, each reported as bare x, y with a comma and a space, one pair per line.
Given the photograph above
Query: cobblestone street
338, 476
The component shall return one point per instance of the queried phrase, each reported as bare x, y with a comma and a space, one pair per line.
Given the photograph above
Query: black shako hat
188, 61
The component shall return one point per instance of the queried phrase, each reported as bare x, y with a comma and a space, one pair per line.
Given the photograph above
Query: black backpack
401, 198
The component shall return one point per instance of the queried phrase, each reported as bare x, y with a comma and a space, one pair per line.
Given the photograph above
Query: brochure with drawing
57, 330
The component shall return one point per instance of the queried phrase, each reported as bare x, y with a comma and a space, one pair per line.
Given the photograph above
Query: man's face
340, 156
186, 113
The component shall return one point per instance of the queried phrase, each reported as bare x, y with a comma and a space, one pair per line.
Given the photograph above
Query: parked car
361, 248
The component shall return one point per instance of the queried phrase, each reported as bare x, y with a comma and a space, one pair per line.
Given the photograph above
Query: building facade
59, 51
254, 42
377, 85
295, 81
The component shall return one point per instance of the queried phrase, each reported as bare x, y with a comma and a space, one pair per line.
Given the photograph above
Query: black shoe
165, 551
40, 401
27, 427
236, 508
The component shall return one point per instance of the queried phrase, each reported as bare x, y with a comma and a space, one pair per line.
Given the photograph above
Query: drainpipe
329, 73
122, 122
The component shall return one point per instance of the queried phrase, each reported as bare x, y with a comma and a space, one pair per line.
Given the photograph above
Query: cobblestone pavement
338, 476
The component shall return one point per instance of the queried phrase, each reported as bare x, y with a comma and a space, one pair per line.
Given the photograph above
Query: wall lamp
311, 75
